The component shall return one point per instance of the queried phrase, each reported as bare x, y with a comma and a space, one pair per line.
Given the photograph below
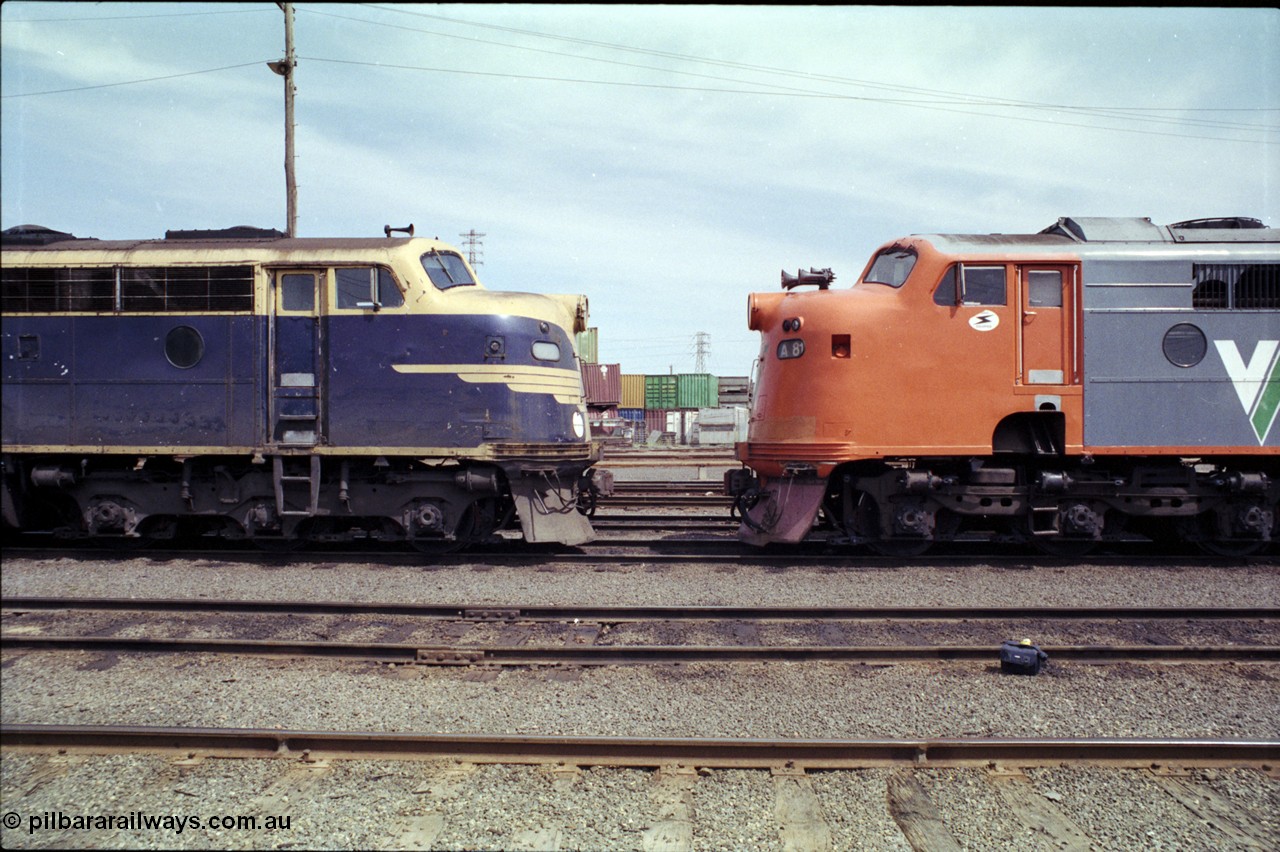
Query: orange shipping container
632, 391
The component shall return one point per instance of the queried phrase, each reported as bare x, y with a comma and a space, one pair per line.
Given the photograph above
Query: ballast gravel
369, 804
651, 584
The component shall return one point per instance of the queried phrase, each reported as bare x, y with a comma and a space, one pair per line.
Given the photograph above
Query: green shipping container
659, 392
588, 343
697, 390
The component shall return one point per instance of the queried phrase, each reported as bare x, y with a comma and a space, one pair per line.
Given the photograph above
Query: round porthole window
184, 347
1185, 345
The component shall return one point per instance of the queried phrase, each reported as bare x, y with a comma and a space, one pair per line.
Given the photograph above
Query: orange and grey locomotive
285, 390
1101, 379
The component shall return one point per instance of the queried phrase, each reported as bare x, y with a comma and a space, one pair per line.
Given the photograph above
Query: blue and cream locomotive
285, 390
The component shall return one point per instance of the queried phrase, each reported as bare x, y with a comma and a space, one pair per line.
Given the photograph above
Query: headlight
579, 424
546, 350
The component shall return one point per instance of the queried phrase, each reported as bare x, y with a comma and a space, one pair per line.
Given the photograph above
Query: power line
1140, 114
763, 68
975, 100
136, 17
133, 82
815, 95
965, 105
968, 99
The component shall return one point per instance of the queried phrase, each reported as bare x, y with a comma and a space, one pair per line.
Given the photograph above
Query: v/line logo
1257, 382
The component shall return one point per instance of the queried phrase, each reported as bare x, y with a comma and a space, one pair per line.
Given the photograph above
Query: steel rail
623, 614
718, 550
619, 655
718, 753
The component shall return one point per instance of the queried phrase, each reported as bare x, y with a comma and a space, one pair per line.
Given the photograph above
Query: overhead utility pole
284, 68
701, 344
473, 245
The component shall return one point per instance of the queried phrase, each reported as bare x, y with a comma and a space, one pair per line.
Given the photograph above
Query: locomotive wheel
122, 542
278, 545
153, 529
479, 521
863, 521
437, 546
1202, 529
1062, 546
1067, 548
946, 525
1222, 547
901, 548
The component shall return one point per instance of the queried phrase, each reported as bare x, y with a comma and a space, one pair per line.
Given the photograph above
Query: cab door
297, 371
1047, 307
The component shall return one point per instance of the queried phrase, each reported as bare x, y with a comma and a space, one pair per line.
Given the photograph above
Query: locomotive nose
762, 310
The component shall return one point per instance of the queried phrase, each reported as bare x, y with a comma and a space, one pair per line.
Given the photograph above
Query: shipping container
683, 425
632, 391
676, 426
588, 343
659, 392
603, 420
722, 426
602, 383
696, 390
733, 390
633, 425
655, 420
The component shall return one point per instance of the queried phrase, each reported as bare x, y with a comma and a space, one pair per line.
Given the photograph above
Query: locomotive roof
1110, 236
244, 241
283, 244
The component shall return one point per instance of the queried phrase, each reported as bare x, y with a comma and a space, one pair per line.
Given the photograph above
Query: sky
666, 161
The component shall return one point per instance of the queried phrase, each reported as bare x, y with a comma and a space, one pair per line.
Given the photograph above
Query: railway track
620, 614
746, 771
618, 655
664, 521
583, 636
648, 521
727, 753
682, 544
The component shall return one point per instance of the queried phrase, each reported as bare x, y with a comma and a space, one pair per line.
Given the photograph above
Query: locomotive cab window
947, 293
982, 285
891, 266
446, 270
1044, 288
298, 292
968, 285
366, 287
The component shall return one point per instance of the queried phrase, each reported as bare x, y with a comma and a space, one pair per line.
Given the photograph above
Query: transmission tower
701, 346
474, 247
